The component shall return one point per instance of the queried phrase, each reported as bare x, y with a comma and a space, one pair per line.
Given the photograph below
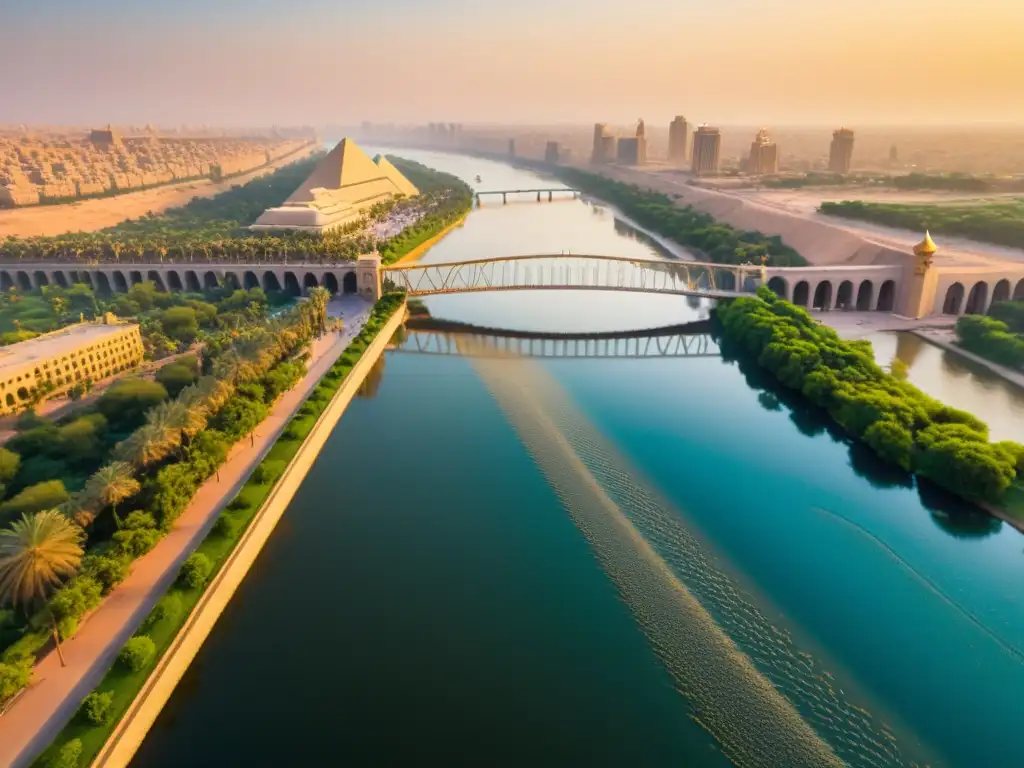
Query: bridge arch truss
576, 272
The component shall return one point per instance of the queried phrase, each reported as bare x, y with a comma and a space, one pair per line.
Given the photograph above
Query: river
615, 561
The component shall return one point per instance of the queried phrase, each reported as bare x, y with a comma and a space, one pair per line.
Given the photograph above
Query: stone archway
210, 281
174, 281
1001, 292
954, 299
250, 281
801, 292
887, 296
6, 281
135, 276
120, 283
331, 283
156, 279
270, 282
1018, 290
865, 294
24, 281
844, 298
291, 284
349, 283
60, 279
309, 282
977, 299
41, 279
192, 282
103, 283
779, 287
823, 295
231, 281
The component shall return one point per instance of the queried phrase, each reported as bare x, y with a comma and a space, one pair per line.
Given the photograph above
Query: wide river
631, 560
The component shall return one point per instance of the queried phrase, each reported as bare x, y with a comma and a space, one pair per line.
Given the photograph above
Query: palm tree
146, 445
81, 508
111, 485
36, 552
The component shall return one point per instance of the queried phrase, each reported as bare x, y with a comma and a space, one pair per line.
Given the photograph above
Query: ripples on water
729, 697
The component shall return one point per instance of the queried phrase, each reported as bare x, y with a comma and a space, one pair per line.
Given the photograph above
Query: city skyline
229, 63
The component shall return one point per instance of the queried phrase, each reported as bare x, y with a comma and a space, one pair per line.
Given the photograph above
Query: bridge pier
538, 196
504, 198
550, 193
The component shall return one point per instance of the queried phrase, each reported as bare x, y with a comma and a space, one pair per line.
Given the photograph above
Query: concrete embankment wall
143, 712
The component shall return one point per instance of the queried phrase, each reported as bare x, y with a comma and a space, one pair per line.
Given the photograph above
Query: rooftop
57, 343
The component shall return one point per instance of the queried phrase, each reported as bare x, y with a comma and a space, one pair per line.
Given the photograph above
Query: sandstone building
707, 143
840, 152
342, 187
764, 155
678, 141
63, 358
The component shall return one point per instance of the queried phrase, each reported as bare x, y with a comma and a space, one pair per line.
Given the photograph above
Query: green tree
9, 462
36, 498
112, 484
126, 402
180, 323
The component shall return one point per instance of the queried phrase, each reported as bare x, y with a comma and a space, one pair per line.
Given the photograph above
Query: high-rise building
707, 142
511, 147
552, 152
628, 151
641, 143
840, 153
678, 140
764, 155
598, 155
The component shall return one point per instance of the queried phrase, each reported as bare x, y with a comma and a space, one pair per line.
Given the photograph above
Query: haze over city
750, 62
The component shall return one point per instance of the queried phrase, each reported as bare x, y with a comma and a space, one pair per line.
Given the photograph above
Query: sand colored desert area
99, 213
822, 240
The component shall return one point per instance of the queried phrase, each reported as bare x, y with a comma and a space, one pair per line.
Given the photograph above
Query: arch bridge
549, 191
576, 272
497, 344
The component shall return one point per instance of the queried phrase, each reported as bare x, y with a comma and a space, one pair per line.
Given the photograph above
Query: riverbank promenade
52, 699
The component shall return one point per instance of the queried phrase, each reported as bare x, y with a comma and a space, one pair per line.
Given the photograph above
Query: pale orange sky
235, 62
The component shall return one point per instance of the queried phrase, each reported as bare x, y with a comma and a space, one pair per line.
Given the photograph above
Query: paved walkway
37, 716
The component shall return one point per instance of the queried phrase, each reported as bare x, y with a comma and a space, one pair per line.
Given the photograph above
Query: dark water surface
428, 600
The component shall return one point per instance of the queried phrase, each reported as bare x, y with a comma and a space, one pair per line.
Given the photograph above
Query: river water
633, 560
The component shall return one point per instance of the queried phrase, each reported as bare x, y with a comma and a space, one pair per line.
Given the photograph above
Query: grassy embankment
1000, 222
167, 618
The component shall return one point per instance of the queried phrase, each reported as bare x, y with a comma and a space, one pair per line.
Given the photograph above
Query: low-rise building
57, 361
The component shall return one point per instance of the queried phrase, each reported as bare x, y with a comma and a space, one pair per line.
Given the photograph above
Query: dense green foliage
137, 653
67, 756
947, 182
993, 222
898, 421
713, 241
96, 707
159, 466
164, 622
194, 571
1001, 341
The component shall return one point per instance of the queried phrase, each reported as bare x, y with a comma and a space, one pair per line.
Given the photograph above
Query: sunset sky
257, 62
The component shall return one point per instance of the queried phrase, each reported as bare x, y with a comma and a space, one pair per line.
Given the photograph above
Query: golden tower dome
926, 247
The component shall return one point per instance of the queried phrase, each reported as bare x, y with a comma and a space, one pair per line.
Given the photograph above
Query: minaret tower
922, 282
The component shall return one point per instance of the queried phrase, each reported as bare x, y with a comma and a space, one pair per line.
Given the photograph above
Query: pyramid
396, 177
344, 166
340, 189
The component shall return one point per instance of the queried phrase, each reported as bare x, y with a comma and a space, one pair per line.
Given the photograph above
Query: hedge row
900, 423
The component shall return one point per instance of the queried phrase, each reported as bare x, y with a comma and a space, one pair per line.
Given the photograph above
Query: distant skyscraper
628, 151
511, 147
764, 155
552, 152
840, 153
678, 140
641, 143
706, 144
598, 154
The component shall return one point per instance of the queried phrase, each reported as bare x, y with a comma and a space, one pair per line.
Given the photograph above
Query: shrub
175, 377
9, 462
224, 526
137, 653
268, 471
167, 609
67, 756
195, 571
135, 542
45, 495
109, 569
180, 323
14, 675
76, 598
238, 503
125, 403
96, 708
